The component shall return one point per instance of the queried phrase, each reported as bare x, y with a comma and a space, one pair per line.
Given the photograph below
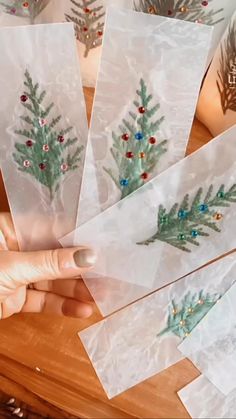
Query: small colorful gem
198, 21
124, 182
46, 148
129, 155
194, 233
25, 4
204, 3
181, 237
144, 176
64, 167
182, 323
141, 109
152, 140
152, 10
174, 312
125, 137
29, 143
142, 155
42, 122
42, 166
139, 136
183, 9
26, 163
182, 214
87, 10
24, 98
190, 310
169, 12
164, 219
94, 14
200, 302
85, 29
60, 139
100, 33
203, 207
218, 216
221, 194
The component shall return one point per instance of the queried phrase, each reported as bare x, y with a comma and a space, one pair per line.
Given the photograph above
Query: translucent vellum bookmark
179, 221
212, 344
214, 13
43, 131
153, 327
144, 104
203, 400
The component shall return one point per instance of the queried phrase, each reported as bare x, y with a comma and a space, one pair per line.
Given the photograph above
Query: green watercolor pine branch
29, 8
183, 224
190, 10
227, 73
137, 149
88, 24
185, 316
45, 155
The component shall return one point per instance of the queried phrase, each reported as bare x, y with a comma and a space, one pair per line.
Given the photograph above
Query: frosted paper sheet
50, 57
125, 349
203, 400
169, 56
128, 271
218, 94
226, 8
212, 344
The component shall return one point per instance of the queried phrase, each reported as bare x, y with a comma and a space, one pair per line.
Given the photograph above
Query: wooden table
43, 361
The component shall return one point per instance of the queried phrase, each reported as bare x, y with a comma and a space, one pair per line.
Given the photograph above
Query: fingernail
85, 258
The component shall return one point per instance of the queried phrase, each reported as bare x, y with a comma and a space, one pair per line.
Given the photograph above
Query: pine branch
47, 155
184, 224
190, 10
136, 151
185, 316
226, 82
87, 21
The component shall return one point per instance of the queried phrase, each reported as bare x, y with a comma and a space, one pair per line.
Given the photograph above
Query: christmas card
179, 221
218, 95
215, 13
142, 340
212, 344
144, 104
43, 130
203, 400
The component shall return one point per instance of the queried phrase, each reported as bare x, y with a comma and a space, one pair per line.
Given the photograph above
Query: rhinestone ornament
60, 139
24, 98
46, 148
125, 137
64, 167
139, 136
203, 208
218, 216
144, 176
141, 109
124, 182
26, 163
152, 140
142, 155
129, 155
29, 143
42, 166
42, 122
25, 4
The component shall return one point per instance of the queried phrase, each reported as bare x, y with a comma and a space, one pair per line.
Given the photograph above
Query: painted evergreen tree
191, 10
227, 73
184, 317
183, 224
89, 23
45, 154
29, 8
137, 149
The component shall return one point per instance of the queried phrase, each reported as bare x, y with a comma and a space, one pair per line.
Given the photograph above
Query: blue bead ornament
139, 136
194, 233
203, 208
124, 182
182, 214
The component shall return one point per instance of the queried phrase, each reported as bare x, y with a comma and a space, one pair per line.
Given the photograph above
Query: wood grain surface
43, 361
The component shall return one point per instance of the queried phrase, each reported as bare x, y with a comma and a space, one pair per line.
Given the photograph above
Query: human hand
55, 275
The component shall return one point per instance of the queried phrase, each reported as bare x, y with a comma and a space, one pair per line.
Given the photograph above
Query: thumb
22, 268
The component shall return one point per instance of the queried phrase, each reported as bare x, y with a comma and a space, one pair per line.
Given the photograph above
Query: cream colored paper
125, 348
48, 52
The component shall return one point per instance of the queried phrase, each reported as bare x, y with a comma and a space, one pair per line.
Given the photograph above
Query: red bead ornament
144, 176
100, 33
60, 139
42, 166
125, 137
141, 109
152, 140
129, 155
42, 122
204, 3
169, 12
142, 155
24, 98
29, 143
87, 10
26, 163
46, 148
25, 4
64, 167
85, 29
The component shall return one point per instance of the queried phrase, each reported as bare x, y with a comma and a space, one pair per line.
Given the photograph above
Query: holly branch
183, 224
191, 10
45, 155
137, 148
185, 316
